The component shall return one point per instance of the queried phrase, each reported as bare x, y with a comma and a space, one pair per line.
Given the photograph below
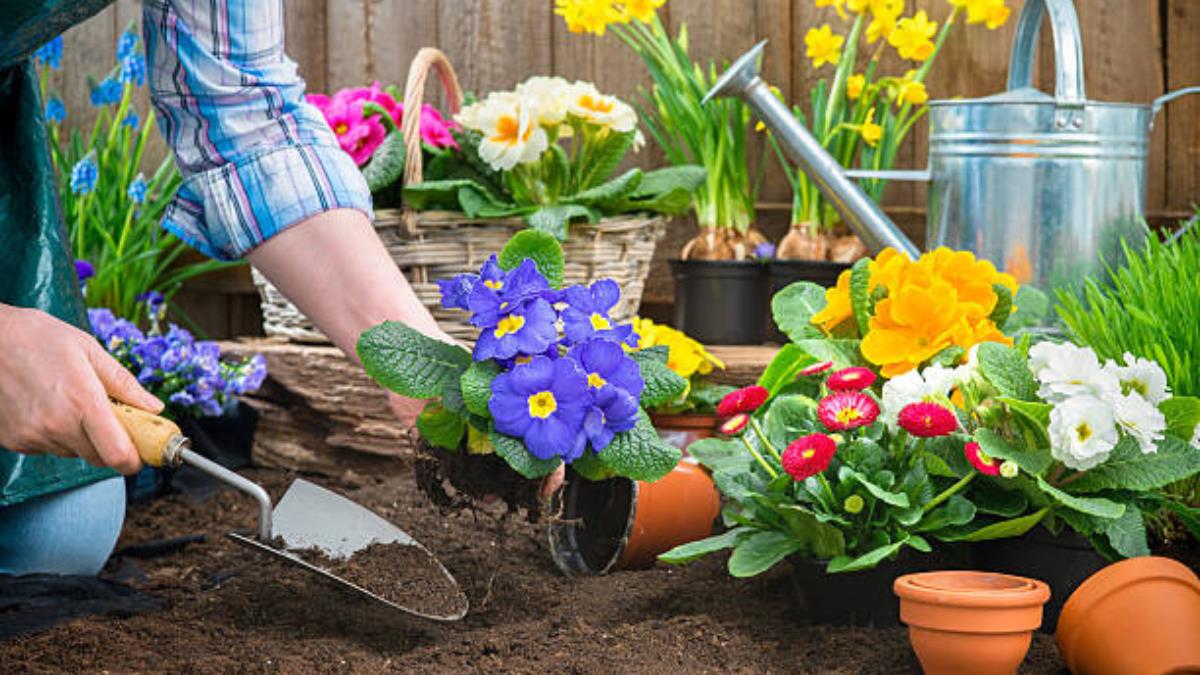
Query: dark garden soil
230, 609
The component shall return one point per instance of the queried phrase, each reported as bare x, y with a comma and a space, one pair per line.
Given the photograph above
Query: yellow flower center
508, 131
847, 415
595, 381
542, 405
341, 129
596, 105
509, 325
523, 359
599, 322
1083, 431
808, 454
494, 284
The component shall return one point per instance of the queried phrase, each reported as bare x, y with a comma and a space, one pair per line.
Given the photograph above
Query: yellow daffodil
642, 10
836, 4
893, 8
911, 91
854, 86
824, 46
991, 12
858, 6
911, 37
588, 16
870, 131
760, 127
884, 14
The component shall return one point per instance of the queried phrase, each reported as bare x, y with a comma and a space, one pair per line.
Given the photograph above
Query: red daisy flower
979, 459
816, 368
844, 410
851, 379
735, 425
927, 419
744, 400
808, 455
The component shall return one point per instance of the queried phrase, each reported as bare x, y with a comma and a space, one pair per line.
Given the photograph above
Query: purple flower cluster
566, 383
186, 373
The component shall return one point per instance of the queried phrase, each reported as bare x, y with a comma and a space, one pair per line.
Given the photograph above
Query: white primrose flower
511, 135
1082, 431
1140, 419
1066, 370
1142, 376
1195, 442
930, 385
553, 96
590, 105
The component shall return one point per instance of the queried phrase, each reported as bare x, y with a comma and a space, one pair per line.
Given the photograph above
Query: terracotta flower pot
684, 429
1140, 615
623, 524
970, 622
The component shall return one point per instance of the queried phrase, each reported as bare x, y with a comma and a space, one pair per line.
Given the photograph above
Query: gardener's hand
55, 385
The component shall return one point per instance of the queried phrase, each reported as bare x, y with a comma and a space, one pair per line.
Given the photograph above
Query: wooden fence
1134, 50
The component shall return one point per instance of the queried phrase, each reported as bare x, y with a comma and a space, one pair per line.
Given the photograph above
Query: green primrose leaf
607, 194
1007, 371
1004, 529
1032, 308
1183, 415
1004, 304
860, 293
476, 386
1093, 506
589, 467
866, 560
1127, 534
685, 553
760, 551
408, 362
387, 162
784, 367
897, 499
513, 451
1033, 462
640, 453
718, 454
1128, 468
957, 510
554, 220
542, 248
663, 385
442, 428
844, 353
793, 309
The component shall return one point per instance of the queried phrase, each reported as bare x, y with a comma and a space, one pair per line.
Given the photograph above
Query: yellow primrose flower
911, 326
870, 131
911, 37
823, 45
912, 91
587, 16
685, 356
837, 307
836, 4
854, 86
642, 10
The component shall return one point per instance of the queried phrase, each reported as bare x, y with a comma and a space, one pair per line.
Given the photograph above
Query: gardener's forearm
335, 269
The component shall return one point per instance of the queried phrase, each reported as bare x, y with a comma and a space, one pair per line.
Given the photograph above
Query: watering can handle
1068, 50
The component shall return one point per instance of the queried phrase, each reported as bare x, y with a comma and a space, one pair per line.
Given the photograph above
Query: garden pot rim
1114, 578
806, 262
968, 588
732, 264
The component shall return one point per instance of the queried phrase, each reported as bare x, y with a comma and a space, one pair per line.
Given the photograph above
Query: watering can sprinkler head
859, 211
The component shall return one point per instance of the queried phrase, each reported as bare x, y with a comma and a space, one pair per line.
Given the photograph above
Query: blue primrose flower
457, 290
490, 300
133, 70
51, 53
108, 92
529, 328
614, 411
55, 110
544, 403
126, 44
84, 175
607, 365
586, 313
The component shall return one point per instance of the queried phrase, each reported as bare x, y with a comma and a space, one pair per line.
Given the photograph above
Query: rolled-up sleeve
255, 157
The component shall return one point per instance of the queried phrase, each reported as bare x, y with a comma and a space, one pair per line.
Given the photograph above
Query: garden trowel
308, 516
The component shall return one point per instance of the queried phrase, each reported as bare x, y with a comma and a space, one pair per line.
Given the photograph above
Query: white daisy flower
1083, 432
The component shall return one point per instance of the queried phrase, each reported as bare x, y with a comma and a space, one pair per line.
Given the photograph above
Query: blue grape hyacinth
51, 53
133, 70
137, 189
84, 175
127, 45
108, 92
56, 111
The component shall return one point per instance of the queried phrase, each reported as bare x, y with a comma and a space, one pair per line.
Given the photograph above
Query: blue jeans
71, 532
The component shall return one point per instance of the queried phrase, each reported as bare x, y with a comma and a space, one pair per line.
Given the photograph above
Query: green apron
36, 269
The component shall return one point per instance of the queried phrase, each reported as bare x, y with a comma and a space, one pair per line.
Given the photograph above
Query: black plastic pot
784, 273
864, 598
1063, 561
721, 302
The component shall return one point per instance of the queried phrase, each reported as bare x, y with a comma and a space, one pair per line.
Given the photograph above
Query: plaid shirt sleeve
255, 157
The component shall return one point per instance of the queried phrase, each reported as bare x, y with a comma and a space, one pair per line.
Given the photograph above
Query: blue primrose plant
550, 380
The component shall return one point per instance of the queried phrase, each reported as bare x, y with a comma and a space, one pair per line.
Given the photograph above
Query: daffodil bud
1009, 469
853, 504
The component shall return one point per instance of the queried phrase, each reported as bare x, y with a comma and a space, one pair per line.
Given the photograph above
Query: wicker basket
432, 245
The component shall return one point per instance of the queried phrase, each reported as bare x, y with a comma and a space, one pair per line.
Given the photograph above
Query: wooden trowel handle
158, 439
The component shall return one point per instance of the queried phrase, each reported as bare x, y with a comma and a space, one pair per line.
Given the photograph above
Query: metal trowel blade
309, 516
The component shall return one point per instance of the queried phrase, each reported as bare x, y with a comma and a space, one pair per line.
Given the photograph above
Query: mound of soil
463, 481
401, 574
230, 609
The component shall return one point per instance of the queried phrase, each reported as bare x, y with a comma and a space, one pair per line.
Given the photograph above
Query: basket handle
414, 97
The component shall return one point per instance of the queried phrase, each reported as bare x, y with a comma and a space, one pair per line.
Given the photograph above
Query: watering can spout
859, 211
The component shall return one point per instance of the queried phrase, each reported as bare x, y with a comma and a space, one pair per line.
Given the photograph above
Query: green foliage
441, 427
784, 368
408, 362
476, 386
543, 249
1149, 307
1131, 469
662, 384
793, 309
386, 167
513, 451
1007, 370
685, 553
639, 453
860, 294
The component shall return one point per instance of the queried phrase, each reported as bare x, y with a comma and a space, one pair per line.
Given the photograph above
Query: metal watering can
1043, 186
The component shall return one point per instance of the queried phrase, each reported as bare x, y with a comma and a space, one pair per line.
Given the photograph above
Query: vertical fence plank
399, 29
347, 44
305, 32
1183, 116
496, 43
88, 51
